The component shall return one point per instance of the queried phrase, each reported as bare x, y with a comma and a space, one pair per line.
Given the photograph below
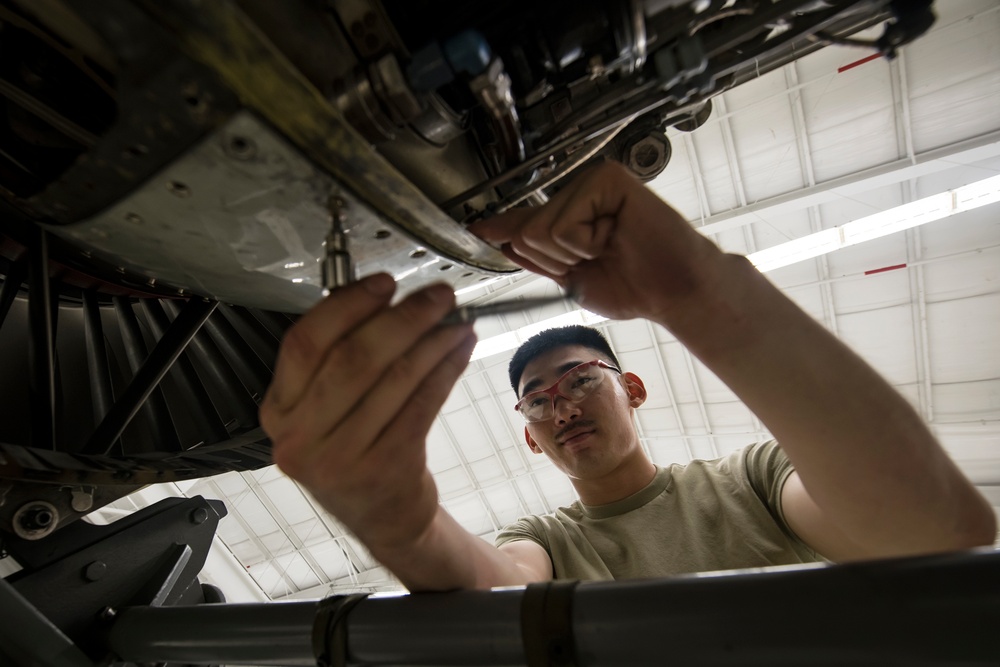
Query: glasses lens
536, 408
580, 381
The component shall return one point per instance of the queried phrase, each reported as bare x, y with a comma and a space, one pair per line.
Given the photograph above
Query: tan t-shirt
707, 515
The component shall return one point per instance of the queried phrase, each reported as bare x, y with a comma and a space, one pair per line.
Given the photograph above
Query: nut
648, 156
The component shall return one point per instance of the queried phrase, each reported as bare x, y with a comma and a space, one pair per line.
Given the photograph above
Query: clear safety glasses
574, 386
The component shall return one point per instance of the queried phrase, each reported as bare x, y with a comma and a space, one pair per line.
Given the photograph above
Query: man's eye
582, 380
536, 401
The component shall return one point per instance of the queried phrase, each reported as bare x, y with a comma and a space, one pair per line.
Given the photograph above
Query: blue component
468, 52
428, 70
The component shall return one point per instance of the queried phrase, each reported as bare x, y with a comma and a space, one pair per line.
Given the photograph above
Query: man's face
588, 439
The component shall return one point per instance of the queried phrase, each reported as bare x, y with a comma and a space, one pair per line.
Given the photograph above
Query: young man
359, 382
634, 519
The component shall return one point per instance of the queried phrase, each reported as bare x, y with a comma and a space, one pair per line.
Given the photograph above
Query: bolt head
36, 519
649, 155
95, 571
199, 515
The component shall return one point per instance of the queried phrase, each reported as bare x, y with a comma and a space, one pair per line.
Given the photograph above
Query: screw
241, 148
36, 518
179, 189
199, 515
107, 614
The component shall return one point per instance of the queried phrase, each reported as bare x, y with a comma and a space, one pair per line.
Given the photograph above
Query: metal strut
159, 361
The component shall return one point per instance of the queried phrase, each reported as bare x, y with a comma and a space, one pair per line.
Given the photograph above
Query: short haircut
551, 339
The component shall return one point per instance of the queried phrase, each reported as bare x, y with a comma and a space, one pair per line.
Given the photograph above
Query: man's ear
635, 388
532, 445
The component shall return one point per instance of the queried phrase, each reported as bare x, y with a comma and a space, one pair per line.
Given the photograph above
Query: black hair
551, 339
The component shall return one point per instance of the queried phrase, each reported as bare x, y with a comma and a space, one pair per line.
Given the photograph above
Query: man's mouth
566, 437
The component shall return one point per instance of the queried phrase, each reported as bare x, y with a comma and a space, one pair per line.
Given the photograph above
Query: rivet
179, 189
95, 571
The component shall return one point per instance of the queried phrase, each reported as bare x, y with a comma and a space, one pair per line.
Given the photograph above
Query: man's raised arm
871, 480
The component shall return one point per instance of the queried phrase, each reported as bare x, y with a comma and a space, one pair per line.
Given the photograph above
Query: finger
500, 228
355, 363
547, 256
414, 419
527, 231
398, 387
306, 344
586, 241
529, 265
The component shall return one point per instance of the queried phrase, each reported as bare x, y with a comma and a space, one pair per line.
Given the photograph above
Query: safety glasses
574, 386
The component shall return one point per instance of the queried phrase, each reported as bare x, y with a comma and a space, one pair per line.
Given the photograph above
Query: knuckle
536, 236
521, 247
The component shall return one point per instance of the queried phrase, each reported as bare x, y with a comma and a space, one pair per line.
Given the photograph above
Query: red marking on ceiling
858, 62
886, 268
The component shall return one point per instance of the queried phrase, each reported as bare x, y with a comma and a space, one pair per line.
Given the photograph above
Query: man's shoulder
764, 449
746, 463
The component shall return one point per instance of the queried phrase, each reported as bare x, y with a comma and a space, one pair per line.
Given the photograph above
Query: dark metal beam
28, 638
154, 406
146, 379
206, 418
102, 394
41, 345
936, 610
239, 353
225, 380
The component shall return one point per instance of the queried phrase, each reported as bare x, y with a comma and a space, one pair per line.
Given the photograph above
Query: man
359, 382
645, 521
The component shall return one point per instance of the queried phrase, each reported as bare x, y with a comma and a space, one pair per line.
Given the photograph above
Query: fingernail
380, 284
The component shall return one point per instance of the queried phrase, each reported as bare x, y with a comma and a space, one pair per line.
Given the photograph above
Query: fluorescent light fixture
900, 218
512, 339
410, 272
477, 286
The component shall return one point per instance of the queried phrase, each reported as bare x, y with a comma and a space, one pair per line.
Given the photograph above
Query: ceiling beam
970, 151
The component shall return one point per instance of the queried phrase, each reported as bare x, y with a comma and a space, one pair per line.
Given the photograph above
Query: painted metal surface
243, 218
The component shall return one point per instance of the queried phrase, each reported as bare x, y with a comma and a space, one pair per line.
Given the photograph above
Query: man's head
551, 339
586, 428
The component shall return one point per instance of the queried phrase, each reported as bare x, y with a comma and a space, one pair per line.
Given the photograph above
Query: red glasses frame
553, 391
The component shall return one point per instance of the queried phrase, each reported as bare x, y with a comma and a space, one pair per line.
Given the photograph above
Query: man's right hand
357, 386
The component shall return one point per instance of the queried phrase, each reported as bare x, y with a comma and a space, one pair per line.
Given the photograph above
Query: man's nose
564, 410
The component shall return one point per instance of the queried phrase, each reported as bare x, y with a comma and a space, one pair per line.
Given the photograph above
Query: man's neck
630, 477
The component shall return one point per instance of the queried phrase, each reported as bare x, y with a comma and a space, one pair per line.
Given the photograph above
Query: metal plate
242, 218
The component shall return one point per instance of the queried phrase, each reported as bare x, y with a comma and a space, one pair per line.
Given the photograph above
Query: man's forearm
864, 455
447, 557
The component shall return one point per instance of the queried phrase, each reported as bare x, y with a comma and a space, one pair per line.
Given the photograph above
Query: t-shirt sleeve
767, 470
522, 529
